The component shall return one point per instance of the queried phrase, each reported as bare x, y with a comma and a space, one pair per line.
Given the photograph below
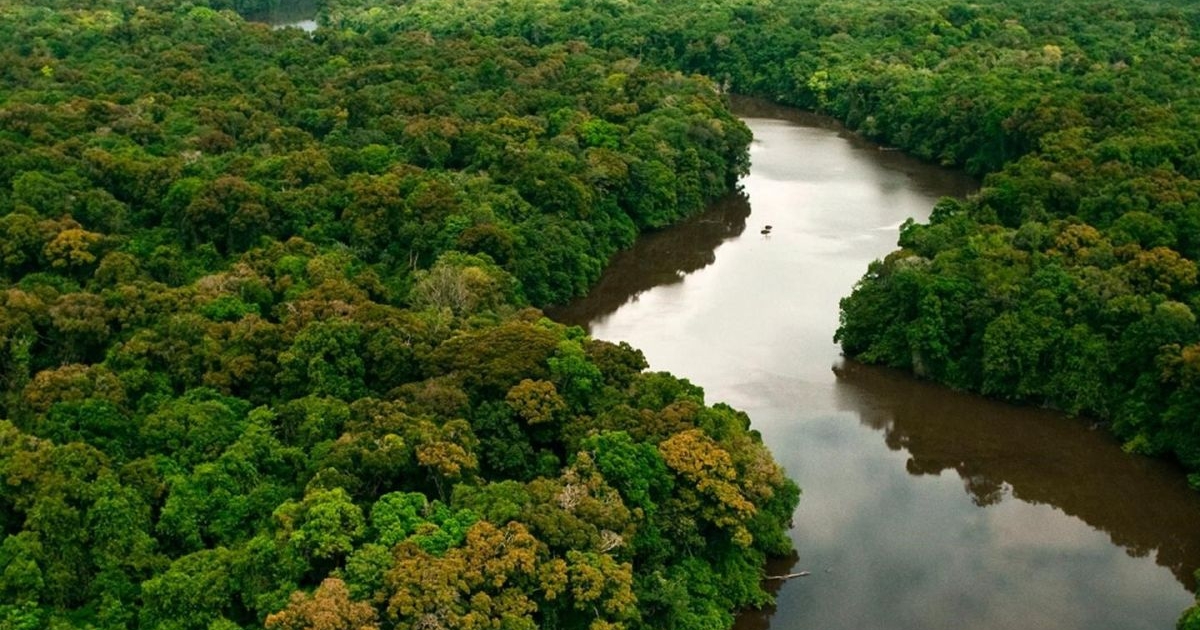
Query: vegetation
265, 352
1070, 281
262, 292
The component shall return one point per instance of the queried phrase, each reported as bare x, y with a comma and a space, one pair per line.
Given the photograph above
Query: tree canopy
1070, 280
267, 358
261, 292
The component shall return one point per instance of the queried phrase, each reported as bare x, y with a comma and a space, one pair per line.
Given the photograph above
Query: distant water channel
923, 508
299, 14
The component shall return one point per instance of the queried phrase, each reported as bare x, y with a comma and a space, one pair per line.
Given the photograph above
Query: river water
923, 508
299, 14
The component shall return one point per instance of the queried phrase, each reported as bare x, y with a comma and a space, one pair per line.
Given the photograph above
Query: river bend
923, 508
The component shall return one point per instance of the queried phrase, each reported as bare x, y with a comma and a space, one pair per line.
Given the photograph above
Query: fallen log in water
789, 576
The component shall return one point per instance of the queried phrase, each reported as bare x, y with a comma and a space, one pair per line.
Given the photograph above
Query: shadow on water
924, 175
1056, 511
659, 259
298, 13
1037, 456
761, 619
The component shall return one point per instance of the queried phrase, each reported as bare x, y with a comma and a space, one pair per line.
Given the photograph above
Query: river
923, 508
299, 14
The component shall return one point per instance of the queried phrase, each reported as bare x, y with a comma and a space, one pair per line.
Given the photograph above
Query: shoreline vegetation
1079, 248
266, 351
1070, 280
263, 292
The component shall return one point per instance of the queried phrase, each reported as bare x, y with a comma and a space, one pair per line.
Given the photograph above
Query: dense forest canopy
266, 356
1070, 280
262, 341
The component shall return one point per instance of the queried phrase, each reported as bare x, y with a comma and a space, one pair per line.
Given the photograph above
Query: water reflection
921, 177
761, 619
301, 14
1036, 456
660, 259
891, 542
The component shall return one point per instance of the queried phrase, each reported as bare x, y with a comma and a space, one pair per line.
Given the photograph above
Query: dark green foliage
1069, 281
264, 327
1190, 620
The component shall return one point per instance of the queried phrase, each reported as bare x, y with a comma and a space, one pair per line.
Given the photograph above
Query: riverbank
923, 507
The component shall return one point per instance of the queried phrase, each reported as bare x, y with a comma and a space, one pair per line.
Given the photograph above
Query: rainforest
270, 347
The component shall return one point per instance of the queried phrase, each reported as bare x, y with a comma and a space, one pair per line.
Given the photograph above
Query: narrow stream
923, 508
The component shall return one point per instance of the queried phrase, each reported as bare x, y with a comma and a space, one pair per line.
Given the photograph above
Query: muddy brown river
923, 508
